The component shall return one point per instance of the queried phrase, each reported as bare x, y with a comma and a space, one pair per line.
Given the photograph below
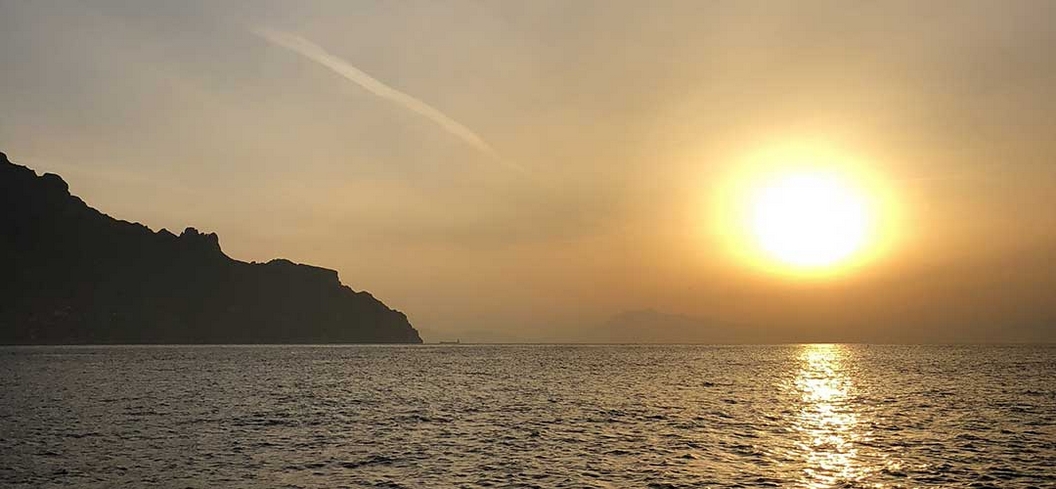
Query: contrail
316, 53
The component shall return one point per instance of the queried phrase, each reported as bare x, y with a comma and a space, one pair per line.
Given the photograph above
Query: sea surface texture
528, 416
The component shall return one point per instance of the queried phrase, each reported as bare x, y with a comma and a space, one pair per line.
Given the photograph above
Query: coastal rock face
71, 274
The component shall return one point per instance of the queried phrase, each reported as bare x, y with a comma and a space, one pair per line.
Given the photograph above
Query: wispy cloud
316, 53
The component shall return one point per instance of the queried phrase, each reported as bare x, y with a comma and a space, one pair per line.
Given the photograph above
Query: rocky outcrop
71, 274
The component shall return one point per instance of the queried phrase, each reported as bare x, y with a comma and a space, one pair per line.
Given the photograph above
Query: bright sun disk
805, 211
808, 220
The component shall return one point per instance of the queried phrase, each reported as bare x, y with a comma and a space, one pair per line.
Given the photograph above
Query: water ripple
812, 416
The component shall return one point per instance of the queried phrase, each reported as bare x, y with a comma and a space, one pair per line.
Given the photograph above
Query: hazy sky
603, 129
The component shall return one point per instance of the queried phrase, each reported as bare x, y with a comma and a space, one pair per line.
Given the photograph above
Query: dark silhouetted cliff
70, 274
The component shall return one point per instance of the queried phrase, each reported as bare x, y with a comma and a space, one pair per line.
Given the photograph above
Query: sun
809, 219
804, 212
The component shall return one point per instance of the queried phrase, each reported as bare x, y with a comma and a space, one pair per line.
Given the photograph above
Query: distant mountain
650, 326
72, 275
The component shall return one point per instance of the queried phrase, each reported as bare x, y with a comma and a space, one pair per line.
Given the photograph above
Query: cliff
70, 274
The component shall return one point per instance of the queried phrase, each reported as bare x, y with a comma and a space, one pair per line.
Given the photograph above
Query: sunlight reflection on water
827, 419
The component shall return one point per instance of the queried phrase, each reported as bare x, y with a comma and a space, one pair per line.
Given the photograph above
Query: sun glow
804, 213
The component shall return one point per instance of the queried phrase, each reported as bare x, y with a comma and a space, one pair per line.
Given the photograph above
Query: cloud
316, 53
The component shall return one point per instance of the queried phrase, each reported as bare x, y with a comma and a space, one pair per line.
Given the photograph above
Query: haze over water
529, 416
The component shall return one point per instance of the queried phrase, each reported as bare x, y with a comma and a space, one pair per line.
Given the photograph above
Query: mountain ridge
74, 275
650, 326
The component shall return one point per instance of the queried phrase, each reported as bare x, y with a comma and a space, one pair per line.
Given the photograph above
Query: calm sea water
529, 416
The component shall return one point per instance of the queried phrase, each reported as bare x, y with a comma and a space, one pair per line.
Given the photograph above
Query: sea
528, 416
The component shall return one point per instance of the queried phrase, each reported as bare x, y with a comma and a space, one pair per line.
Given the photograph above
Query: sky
525, 171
